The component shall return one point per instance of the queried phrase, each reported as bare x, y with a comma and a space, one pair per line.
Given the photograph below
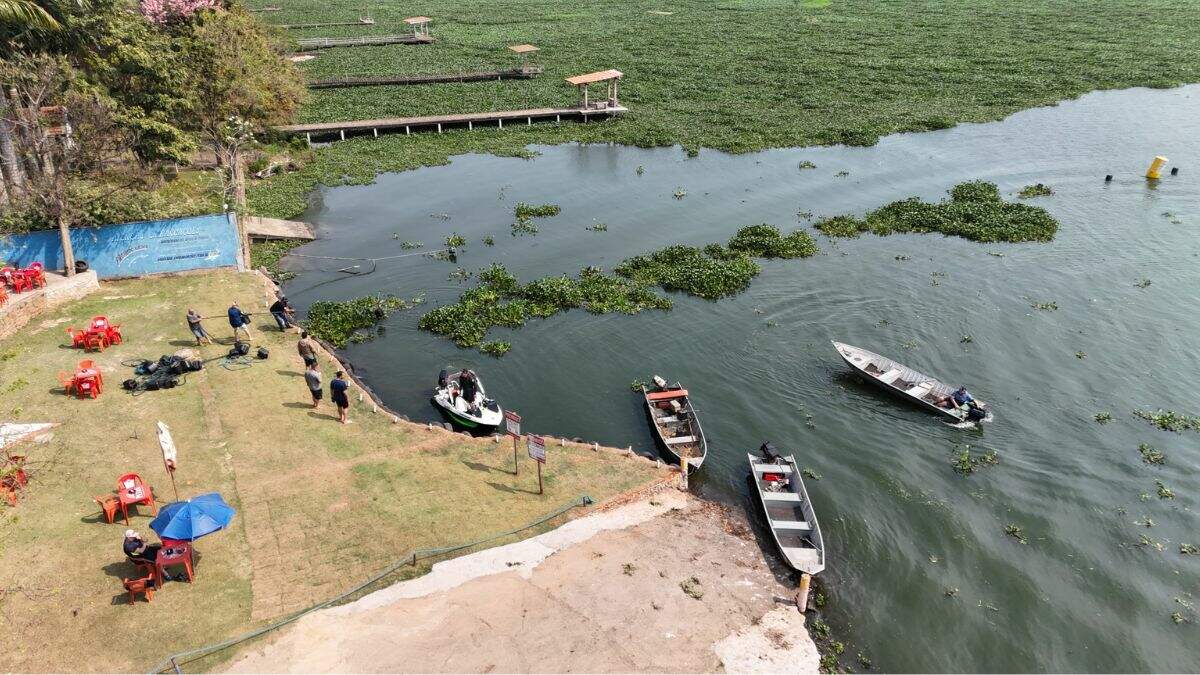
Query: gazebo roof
414, 20
522, 49
600, 76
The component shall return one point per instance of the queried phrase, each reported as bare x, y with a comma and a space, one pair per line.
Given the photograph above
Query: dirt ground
603, 593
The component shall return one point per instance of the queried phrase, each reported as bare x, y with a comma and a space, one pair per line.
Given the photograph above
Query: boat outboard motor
659, 383
769, 453
443, 378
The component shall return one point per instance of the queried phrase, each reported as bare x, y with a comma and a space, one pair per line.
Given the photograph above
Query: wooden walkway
525, 73
308, 44
297, 26
408, 125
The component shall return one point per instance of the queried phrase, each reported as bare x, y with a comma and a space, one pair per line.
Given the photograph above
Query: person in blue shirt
337, 392
239, 321
959, 397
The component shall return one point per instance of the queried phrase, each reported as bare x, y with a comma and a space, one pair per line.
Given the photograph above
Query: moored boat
790, 514
674, 423
925, 391
462, 398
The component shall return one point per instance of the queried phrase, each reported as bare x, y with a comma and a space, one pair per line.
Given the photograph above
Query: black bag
129, 384
194, 364
241, 348
262, 353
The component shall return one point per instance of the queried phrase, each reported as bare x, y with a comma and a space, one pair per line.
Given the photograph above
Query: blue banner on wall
134, 249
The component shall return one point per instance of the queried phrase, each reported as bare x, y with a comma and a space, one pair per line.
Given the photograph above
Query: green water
901, 526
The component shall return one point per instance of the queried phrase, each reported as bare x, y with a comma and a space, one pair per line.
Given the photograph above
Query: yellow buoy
1155, 170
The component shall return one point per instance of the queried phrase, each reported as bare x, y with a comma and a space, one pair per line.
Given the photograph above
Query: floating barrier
1155, 170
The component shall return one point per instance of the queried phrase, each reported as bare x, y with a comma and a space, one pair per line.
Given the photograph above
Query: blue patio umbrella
193, 518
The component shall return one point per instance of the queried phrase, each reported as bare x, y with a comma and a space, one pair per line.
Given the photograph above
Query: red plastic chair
67, 381
132, 490
135, 586
20, 282
3, 296
36, 278
87, 386
95, 340
99, 323
113, 334
6, 275
78, 337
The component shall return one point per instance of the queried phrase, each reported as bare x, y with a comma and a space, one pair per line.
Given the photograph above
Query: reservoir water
921, 574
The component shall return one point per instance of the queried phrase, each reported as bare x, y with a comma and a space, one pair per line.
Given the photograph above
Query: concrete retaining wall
22, 308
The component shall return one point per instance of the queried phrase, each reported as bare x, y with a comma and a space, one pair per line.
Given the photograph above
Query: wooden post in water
802, 596
683, 477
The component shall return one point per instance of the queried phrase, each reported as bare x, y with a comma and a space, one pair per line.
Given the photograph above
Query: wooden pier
309, 44
408, 125
298, 26
525, 73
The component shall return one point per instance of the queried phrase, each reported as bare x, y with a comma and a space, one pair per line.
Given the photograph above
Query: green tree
239, 83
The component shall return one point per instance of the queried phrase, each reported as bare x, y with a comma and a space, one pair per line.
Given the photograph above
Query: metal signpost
537, 452
512, 422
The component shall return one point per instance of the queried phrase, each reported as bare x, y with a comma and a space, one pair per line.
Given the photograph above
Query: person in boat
470, 387
959, 397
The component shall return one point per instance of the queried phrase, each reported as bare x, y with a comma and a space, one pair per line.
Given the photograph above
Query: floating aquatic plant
1015, 532
524, 226
766, 241
495, 348
1045, 306
688, 269
1163, 491
640, 170
810, 474
966, 463
966, 338
1151, 455
806, 164
1169, 420
456, 240
409, 245
679, 193
1103, 417
974, 211
841, 174
489, 240
637, 385
337, 322
1081, 355
1035, 190
598, 227
524, 211
804, 215
1144, 283
1178, 618
1189, 549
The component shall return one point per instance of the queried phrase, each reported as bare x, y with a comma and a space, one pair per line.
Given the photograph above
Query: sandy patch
600, 594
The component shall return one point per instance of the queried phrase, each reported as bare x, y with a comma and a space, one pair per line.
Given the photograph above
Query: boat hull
956, 414
695, 460
790, 515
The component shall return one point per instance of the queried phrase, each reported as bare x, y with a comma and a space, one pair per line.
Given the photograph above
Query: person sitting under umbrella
137, 550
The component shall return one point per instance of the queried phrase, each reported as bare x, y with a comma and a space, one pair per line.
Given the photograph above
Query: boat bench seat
667, 419
772, 468
890, 376
781, 496
791, 525
681, 439
920, 390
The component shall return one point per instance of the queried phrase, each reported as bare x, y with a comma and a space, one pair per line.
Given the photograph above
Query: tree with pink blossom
165, 11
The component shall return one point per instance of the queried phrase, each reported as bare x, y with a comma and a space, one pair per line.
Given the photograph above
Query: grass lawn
736, 75
321, 506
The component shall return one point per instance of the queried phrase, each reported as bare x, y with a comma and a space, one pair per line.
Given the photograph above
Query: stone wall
23, 307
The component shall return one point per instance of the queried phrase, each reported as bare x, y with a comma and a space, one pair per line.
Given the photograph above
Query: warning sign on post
537, 448
513, 421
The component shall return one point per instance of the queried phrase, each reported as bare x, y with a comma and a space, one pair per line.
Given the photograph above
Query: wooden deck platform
308, 44
273, 228
407, 125
525, 73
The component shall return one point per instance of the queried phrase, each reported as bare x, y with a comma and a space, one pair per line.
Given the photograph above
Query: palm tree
27, 15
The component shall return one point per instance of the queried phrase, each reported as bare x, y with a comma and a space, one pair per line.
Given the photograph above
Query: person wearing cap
283, 313
138, 550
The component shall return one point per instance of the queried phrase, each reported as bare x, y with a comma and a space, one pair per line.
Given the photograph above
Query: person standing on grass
312, 377
282, 310
307, 350
337, 392
197, 328
239, 321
